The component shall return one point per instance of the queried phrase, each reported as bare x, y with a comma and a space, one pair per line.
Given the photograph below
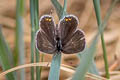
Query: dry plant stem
63, 67
114, 66
24, 66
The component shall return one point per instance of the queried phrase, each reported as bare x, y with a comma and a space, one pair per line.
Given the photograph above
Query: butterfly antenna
51, 11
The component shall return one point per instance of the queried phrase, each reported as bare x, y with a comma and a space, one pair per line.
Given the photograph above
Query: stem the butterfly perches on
55, 67
56, 60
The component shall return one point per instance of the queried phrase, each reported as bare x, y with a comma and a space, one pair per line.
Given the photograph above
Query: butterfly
63, 37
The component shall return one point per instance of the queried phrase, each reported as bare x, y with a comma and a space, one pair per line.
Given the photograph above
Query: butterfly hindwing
43, 44
75, 44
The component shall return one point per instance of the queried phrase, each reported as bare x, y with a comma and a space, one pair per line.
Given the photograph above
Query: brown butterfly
64, 37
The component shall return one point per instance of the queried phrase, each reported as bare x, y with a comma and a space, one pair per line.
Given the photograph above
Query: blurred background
84, 10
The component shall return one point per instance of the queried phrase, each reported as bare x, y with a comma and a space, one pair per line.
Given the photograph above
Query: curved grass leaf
93, 69
86, 61
88, 54
6, 58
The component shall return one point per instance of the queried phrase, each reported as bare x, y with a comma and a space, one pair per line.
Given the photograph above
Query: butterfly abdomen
59, 45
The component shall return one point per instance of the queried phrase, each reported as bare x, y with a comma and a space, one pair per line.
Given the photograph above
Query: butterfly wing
75, 44
45, 37
73, 40
67, 27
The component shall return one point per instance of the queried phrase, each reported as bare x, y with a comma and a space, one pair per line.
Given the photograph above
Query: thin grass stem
32, 37
64, 9
36, 19
98, 16
59, 8
42, 59
20, 35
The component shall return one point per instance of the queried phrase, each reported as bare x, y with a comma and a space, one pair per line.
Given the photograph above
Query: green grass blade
32, 36
64, 9
59, 8
36, 14
88, 54
98, 16
42, 59
34, 11
85, 61
55, 67
8, 52
38, 74
6, 58
36, 22
56, 61
93, 69
20, 35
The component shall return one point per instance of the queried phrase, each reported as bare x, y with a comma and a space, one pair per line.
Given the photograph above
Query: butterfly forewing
67, 27
45, 37
47, 26
75, 44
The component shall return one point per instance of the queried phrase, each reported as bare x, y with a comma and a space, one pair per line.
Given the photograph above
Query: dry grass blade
66, 68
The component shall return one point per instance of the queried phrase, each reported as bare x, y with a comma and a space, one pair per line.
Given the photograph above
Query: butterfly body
59, 45
64, 37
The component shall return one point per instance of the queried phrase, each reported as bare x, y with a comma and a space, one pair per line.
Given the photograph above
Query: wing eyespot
50, 20
46, 19
68, 19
